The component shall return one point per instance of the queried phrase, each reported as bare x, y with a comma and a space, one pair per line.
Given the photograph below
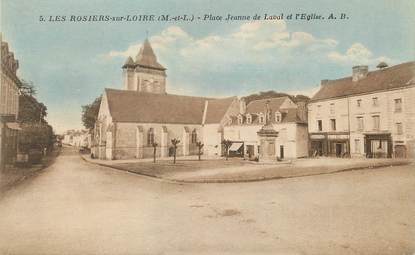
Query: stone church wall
127, 143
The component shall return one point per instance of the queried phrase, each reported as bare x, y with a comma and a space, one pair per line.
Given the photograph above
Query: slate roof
258, 106
217, 108
147, 58
387, 78
142, 107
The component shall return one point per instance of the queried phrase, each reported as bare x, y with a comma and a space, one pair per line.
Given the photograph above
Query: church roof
147, 58
142, 107
384, 79
217, 109
129, 62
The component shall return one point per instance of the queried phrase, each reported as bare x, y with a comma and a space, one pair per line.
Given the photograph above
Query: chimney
302, 110
242, 106
324, 82
359, 72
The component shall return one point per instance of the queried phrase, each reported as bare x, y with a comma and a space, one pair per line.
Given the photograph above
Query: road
75, 207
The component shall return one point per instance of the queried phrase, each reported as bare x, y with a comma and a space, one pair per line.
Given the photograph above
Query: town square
210, 134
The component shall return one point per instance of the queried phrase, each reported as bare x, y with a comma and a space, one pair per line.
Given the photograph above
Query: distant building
9, 106
77, 138
369, 114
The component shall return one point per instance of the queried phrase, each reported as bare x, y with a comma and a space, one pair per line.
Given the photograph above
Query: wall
288, 136
321, 111
126, 139
212, 140
142, 82
385, 109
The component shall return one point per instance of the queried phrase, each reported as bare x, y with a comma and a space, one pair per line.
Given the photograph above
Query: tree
154, 151
27, 88
36, 133
90, 113
30, 110
199, 146
174, 142
227, 144
273, 94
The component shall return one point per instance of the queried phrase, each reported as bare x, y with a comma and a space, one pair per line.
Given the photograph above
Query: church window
248, 119
150, 137
194, 136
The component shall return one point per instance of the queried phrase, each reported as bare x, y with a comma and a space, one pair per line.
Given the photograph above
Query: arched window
150, 137
248, 119
194, 136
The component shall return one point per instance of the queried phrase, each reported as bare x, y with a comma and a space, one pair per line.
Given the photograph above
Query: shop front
378, 145
330, 144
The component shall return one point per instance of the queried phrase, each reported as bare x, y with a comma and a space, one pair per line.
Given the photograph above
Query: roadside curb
148, 176
253, 179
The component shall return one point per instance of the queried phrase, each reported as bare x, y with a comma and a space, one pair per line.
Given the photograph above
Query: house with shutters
367, 114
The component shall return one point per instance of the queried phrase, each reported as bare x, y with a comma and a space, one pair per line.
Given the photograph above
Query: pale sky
72, 62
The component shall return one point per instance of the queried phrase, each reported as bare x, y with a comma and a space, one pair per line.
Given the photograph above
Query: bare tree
199, 145
154, 144
174, 142
227, 144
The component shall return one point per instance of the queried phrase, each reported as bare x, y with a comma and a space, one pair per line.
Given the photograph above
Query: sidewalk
188, 169
14, 175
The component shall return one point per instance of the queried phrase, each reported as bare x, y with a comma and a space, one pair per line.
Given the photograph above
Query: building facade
9, 106
133, 121
286, 119
369, 114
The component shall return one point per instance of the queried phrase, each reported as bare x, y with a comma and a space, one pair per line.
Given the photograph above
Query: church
142, 114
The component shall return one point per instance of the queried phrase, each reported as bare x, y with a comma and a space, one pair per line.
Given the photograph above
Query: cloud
260, 55
356, 54
248, 37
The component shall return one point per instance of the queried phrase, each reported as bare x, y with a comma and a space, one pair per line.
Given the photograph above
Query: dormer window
248, 118
240, 119
277, 117
261, 118
229, 120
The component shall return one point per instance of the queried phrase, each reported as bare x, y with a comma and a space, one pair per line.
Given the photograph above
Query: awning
13, 125
235, 146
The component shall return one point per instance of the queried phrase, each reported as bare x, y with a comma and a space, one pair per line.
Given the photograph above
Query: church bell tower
144, 74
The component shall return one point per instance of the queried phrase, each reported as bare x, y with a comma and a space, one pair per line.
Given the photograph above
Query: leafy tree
36, 136
90, 113
27, 88
36, 132
31, 110
272, 94
174, 142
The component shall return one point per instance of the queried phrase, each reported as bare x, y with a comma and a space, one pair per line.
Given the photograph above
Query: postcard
207, 127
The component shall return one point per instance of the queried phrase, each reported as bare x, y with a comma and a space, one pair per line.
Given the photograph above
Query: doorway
281, 151
339, 150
